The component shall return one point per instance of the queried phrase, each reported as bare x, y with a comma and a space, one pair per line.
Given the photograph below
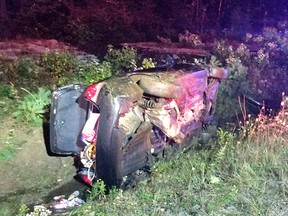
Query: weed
98, 190
23, 210
148, 63
265, 124
13, 91
32, 108
7, 148
225, 139
5, 91
222, 199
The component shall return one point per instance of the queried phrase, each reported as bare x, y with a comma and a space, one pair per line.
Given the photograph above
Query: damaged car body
119, 125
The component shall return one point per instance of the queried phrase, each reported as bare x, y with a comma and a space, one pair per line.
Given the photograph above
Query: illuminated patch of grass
7, 152
234, 177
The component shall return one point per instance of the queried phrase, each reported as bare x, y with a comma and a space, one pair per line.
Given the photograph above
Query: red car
120, 125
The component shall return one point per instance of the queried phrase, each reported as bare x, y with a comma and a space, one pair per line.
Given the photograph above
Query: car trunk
67, 117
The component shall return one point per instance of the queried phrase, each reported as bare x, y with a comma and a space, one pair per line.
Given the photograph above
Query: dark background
92, 24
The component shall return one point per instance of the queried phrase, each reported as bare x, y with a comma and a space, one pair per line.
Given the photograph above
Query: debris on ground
61, 204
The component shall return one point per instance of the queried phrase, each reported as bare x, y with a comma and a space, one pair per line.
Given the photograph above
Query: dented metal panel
144, 112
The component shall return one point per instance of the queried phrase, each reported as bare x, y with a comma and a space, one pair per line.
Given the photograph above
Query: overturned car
120, 125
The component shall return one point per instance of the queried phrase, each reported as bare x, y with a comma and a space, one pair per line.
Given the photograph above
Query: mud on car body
119, 125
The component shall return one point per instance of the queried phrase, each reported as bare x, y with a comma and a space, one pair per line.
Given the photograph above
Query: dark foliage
94, 24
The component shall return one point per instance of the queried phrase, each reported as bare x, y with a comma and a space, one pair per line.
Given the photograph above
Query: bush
91, 70
77, 32
27, 68
236, 85
58, 65
121, 60
42, 17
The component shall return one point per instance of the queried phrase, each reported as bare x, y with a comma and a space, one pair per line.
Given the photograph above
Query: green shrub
32, 107
267, 67
121, 60
91, 70
58, 64
24, 72
236, 84
26, 68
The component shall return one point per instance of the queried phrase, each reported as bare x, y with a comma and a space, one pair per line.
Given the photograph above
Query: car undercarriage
119, 125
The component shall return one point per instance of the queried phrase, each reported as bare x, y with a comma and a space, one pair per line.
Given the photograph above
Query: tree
3, 11
3, 19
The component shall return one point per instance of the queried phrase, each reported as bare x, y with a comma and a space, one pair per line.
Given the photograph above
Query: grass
8, 147
239, 174
250, 179
6, 105
247, 176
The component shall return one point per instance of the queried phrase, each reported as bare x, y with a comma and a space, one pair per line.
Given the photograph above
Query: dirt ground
30, 174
